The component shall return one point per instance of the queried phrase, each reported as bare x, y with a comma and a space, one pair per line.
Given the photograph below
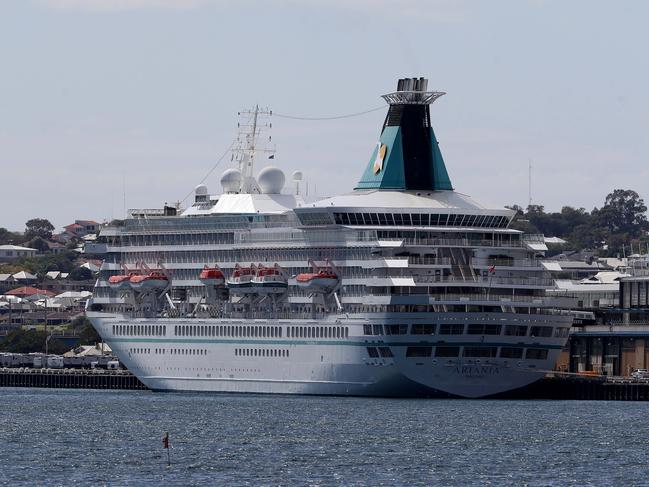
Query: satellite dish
297, 176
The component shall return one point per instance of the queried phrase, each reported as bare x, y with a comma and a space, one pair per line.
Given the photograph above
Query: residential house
10, 253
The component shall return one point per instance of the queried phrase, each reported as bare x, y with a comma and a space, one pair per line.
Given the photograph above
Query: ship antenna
248, 147
529, 184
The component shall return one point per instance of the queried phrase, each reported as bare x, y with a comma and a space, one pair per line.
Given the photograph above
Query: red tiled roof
29, 291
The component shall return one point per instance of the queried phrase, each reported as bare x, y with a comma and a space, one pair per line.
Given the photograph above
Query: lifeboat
121, 281
212, 276
152, 280
241, 279
323, 280
270, 280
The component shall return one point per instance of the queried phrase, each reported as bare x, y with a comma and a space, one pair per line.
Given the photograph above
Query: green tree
623, 213
38, 227
38, 243
87, 333
7, 237
80, 274
30, 341
63, 262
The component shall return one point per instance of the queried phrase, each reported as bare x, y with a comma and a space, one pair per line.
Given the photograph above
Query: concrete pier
599, 388
70, 379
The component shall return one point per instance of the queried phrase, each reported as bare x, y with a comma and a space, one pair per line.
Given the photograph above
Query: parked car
640, 374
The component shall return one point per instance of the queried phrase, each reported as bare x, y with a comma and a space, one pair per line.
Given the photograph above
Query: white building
9, 253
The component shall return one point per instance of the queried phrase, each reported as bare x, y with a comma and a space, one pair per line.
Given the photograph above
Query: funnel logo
380, 155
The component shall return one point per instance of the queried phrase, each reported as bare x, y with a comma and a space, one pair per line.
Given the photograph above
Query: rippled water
57, 437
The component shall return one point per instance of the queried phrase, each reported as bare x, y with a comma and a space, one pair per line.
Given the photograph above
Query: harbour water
71, 437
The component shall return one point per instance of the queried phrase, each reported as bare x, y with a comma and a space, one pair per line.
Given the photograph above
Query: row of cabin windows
139, 330
479, 352
260, 352
188, 351
171, 351
470, 329
228, 331
418, 220
318, 332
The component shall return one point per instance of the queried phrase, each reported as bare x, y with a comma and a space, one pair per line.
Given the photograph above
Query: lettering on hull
476, 370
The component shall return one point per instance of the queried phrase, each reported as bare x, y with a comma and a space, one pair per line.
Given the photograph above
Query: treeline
618, 226
37, 234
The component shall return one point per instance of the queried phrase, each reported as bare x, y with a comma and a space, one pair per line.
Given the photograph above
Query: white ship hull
322, 366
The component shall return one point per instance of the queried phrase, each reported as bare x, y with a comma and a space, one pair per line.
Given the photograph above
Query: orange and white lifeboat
121, 281
322, 280
212, 276
241, 279
152, 280
270, 280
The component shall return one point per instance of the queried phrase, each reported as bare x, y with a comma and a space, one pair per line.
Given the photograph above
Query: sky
107, 105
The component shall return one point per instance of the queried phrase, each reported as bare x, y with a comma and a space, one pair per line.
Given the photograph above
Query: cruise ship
401, 288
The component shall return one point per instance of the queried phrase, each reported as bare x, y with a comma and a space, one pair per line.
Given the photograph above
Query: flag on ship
492, 269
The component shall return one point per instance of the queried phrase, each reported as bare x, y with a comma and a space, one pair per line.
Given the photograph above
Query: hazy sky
103, 98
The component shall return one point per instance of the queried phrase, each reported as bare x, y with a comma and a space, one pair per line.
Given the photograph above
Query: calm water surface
59, 437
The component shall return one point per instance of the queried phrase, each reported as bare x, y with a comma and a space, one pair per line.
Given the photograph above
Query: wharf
551, 387
69, 379
584, 388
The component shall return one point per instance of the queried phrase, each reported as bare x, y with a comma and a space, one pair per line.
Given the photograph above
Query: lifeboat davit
270, 280
152, 280
241, 279
321, 280
212, 276
121, 281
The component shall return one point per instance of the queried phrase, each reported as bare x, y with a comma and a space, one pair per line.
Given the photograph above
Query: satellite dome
271, 180
297, 176
231, 181
200, 190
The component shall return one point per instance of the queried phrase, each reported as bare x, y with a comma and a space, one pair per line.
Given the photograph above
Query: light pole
47, 341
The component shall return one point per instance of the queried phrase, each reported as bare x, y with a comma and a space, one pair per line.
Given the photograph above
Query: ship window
541, 331
346, 332
372, 352
377, 329
367, 329
536, 354
480, 329
480, 351
447, 351
451, 329
511, 352
396, 329
515, 330
419, 351
423, 329
385, 352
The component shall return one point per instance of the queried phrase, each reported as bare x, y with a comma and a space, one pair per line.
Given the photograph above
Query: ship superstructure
403, 287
